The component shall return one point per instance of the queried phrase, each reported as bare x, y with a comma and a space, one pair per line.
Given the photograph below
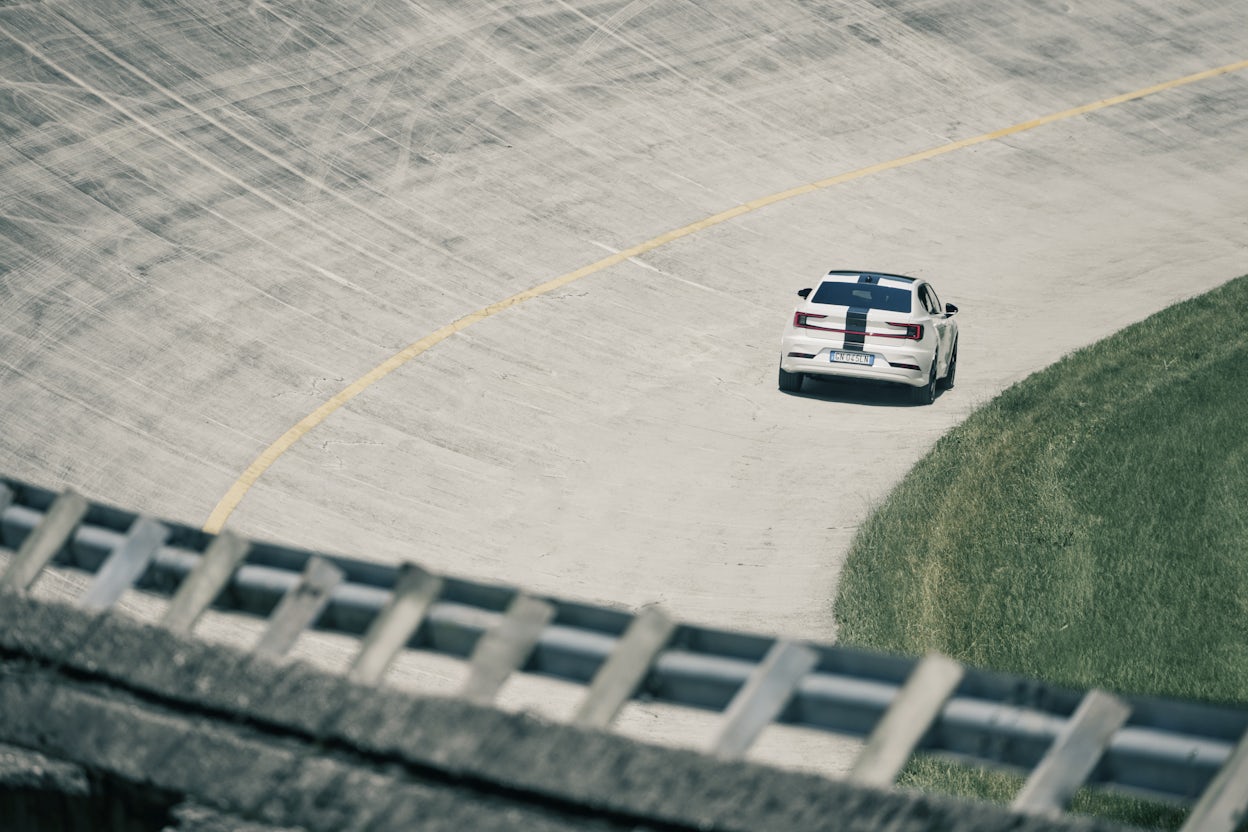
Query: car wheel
927, 393
946, 383
791, 382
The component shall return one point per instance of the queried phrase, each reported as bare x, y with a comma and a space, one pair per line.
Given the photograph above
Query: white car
872, 326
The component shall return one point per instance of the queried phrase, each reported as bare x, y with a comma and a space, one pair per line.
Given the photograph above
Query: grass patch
926, 773
1089, 526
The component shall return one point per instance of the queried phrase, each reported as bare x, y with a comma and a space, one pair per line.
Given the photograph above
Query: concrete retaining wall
219, 739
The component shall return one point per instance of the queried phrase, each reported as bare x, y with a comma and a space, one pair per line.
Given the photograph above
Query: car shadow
852, 391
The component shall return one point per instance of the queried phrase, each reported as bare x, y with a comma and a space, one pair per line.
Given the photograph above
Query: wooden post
505, 648
126, 564
763, 697
625, 669
200, 588
414, 593
299, 607
1074, 753
1224, 804
51, 535
908, 718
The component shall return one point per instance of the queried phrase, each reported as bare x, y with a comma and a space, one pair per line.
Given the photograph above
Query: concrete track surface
216, 216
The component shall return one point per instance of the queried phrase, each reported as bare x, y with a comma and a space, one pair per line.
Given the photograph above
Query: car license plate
853, 358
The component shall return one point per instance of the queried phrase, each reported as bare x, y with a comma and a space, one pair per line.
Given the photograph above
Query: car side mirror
950, 309
801, 293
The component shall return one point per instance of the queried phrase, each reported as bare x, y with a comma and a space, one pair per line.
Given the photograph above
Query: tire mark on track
228, 503
54, 179
605, 31
404, 56
211, 165
313, 181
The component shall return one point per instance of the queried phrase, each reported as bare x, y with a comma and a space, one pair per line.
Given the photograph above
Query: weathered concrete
292, 747
193, 817
39, 793
21, 769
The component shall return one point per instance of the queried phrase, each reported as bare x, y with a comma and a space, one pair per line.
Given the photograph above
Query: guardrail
1176, 751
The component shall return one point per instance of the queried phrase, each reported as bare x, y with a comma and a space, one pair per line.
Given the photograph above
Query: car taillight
914, 332
800, 319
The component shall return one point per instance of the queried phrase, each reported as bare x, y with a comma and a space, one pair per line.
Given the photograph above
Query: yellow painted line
271, 454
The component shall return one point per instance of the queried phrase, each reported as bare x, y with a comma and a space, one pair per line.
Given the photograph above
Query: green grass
929, 774
1089, 526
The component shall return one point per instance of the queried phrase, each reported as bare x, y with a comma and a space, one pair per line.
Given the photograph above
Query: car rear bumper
814, 357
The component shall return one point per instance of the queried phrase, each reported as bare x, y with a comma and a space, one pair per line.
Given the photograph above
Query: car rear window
864, 295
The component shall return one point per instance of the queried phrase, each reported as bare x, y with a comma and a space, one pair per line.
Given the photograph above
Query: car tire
947, 382
791, 382
927, 393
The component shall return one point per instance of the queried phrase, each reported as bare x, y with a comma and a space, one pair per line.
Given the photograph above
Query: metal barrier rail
1176, 751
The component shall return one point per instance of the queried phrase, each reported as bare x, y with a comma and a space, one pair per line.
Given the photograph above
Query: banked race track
498, 287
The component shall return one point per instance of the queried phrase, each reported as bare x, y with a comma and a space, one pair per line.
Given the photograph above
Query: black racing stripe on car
856, 323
